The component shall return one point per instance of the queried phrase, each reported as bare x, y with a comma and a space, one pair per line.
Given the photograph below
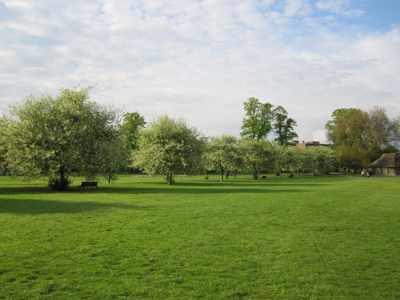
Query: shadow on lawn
190, 189
185, 187
239, 184
34, 207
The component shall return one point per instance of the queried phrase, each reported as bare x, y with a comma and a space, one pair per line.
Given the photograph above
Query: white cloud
292, 7
340, 7
199, 59
320, 135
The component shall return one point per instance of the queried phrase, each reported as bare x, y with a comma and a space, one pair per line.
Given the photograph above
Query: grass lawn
324, 237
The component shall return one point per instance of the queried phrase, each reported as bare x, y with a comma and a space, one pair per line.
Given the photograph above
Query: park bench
88, 183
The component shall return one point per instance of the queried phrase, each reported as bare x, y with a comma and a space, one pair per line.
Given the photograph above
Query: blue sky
201, 60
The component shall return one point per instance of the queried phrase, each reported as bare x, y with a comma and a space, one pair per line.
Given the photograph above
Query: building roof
387, 160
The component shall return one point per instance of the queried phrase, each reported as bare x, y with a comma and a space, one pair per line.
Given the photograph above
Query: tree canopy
168, 146
131, 124
258, 155
262, 119
223, 154
258, 121
360, 137
57, 136
283, 126
336, 113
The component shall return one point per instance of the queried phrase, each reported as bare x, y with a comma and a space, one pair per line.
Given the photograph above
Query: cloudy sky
201, 59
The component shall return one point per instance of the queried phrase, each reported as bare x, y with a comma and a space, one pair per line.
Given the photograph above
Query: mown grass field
324, 237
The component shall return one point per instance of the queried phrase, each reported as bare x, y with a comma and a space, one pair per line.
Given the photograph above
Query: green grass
323, 237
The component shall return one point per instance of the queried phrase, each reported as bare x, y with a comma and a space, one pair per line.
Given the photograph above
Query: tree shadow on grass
33, 207
194, 190
186, 187
259, 184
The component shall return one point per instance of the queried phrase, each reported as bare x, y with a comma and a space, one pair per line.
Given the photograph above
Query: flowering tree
167, 146
56, 136
223, 154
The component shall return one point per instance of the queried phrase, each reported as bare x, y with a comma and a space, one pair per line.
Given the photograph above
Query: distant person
370, 174
363, 173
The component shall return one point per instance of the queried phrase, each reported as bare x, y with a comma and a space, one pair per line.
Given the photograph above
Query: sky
202, 59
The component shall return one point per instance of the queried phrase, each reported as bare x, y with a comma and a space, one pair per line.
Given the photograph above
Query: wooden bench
88, 183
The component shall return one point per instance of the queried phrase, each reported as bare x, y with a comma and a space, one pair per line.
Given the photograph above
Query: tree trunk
63, 183
222, 176
255, 175
170, 179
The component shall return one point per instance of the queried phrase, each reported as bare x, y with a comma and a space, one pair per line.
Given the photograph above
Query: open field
324, 237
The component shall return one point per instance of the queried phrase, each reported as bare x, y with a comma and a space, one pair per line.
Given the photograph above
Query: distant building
305, 145
387, 164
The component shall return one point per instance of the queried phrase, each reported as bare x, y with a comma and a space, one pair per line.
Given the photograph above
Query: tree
336, 113
280, 162
57, 136
262, 118
351, 138
294, 160
131, 124
223, 154
361, 137
384, 131
3, 124
168, 146
258, 122
324, 159
258, 155
396, 133
117, 159
283, 126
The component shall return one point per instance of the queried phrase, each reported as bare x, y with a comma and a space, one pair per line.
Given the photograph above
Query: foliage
3, 124
168, 146
117, 158
223, 154
258, 122
57, 136
292, 158
131, 124
361, 137
262, 118
385, 132
258, 156
281, 160
283, 126
336, 113
324, 159
59, 183
350, 137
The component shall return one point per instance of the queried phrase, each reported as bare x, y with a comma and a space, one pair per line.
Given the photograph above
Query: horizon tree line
68, 134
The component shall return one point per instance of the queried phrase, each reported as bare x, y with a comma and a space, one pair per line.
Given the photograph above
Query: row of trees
168, 146
72, 134
361, 137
